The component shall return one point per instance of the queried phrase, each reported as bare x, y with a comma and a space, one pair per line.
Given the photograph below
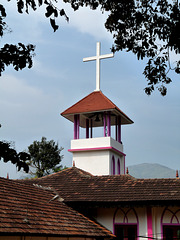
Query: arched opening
126, 224
113, 166
170, 224
118, 167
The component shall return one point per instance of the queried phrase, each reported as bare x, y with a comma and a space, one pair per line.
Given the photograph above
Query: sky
31, 100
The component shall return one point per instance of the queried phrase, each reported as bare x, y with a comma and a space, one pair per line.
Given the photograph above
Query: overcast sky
31, 100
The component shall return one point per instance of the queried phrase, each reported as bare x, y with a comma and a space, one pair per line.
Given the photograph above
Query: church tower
98, 155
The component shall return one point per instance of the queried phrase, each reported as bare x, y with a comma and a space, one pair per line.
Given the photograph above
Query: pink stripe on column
149, 222
75, 126
109, 124
97, 149
116, 129
119, 129
104, 124
78, 126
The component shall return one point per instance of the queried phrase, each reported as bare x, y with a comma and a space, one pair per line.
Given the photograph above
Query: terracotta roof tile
29, 209
76, 185
95, 102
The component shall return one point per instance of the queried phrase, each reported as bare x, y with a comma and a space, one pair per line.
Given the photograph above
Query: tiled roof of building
76, 185
33, 210
95, 102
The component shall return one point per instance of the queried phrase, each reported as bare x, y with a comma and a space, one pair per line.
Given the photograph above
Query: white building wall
99, 142
94, 162
105, 217
156, 219
142, 217
94, 155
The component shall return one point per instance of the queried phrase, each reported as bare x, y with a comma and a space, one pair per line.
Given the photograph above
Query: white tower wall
98, 156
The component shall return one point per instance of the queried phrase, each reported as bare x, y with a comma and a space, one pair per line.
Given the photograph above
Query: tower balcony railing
99, 143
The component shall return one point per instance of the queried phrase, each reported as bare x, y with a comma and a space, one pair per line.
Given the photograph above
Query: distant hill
151, 170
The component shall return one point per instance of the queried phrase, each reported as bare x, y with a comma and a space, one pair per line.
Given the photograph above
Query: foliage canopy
19, 56
148, 28
7, 153
45, 157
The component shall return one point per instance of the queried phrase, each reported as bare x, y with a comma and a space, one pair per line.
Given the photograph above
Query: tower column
78, 116
87, 128
109, 124
119, 129
116, 131
104, 124
76, 126
91, 129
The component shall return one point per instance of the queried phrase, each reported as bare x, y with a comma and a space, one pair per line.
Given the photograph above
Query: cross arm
110, 55
89, 59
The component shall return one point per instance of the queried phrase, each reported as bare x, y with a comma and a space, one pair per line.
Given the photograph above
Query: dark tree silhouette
148, 28
45, 157
7, 153
20, 56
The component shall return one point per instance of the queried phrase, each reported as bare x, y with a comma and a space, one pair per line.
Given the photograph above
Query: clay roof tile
36, 209
94, 102
76, 185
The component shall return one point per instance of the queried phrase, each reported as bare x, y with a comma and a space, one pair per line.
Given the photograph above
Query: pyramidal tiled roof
35, 210
94, 102
76, 185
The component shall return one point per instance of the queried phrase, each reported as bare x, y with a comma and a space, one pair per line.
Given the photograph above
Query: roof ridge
55, 173
94, 102
117, 176
84, 172
43, 177
115, 106
108, 99
166, 179
20, 183
94, 92
78, 102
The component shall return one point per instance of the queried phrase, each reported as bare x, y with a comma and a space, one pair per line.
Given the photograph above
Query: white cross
98, 57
